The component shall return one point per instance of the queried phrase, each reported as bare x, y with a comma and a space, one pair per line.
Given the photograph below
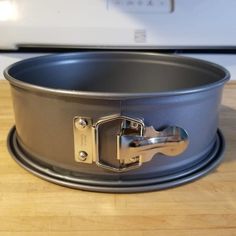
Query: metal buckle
135, 143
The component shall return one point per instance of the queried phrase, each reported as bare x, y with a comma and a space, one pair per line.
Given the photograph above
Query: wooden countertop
32, 206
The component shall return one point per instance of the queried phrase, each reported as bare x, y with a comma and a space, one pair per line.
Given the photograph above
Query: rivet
83, 155
81, 123
134, 125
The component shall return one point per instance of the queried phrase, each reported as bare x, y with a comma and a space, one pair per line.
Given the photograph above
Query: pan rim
118, 95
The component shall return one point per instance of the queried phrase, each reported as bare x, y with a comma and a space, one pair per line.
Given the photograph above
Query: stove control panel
141, 6
153, 24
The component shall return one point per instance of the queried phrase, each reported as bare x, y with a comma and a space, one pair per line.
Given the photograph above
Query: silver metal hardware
83, 137
81, 122
135, 143
83, 155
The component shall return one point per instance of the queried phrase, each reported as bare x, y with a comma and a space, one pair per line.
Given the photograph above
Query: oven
202, 29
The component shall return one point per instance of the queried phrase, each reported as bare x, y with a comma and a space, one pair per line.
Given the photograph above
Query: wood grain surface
32, 206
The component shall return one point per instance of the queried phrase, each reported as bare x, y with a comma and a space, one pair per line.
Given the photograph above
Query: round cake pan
116, 121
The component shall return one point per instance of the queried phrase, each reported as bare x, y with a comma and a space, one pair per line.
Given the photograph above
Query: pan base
128, 186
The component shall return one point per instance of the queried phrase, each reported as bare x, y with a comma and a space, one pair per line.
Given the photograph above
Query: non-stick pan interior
112, 72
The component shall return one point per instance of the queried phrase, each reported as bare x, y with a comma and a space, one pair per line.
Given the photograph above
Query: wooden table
31, 206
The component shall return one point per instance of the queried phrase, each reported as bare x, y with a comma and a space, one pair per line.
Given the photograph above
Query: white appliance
198, 28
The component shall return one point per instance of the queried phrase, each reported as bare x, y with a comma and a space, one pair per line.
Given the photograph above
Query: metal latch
120, 143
